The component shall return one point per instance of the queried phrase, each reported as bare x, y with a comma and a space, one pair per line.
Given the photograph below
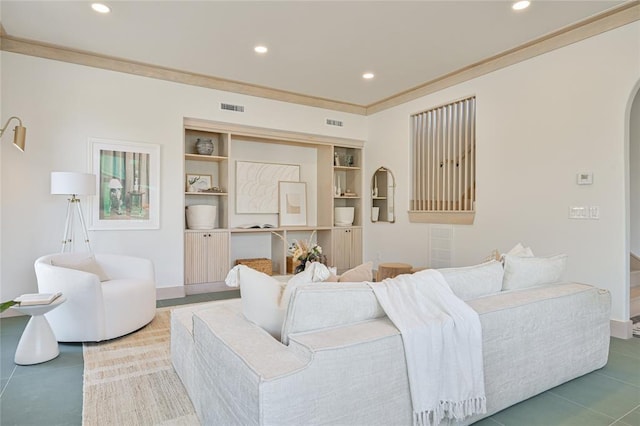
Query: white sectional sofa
343, 361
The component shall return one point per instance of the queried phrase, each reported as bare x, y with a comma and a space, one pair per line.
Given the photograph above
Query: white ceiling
316, 48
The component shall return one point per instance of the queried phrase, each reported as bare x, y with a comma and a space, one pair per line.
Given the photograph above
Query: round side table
38, 343
390, 270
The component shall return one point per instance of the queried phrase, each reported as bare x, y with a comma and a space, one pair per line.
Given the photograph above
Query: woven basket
263, 265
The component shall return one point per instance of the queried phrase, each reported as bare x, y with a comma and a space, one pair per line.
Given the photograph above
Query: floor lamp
73, 184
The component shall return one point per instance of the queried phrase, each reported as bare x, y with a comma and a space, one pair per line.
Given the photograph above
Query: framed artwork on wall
127, 192
257, 185
292, 203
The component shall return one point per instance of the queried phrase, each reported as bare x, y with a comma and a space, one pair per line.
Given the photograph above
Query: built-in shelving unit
331, 168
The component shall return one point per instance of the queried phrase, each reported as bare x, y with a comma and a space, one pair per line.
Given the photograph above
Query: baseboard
621, 329
163, 293
206, 287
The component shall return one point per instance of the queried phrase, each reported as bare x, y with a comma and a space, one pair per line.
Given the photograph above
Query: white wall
63, 105
539, 123
634, 175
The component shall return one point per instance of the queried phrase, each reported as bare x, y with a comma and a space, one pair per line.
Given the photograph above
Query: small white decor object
201, 216
343, 216
375, 213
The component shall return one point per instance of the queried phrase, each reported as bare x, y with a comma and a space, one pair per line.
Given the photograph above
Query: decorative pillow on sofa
85, 264
314, 272
358, 274
474, 281
260, 297
523, 272
520, 251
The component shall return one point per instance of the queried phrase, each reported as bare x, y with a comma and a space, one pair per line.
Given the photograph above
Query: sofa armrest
118, 266
245, 344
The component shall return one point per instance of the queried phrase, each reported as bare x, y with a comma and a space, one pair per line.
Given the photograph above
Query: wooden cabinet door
347, 248
218, 255
206, 257
355, 255
341, 248
196, 257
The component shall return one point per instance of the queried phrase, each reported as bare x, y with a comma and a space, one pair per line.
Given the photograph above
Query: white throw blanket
442, 340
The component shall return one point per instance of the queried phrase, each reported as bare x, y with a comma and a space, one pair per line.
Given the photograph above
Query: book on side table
37, 298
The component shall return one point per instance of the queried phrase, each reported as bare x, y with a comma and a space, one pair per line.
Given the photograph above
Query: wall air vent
332, 122
231, 107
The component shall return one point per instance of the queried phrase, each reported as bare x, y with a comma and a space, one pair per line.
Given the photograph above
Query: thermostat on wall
585, 178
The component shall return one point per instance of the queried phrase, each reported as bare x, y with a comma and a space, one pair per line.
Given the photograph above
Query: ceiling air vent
230, 107
332, 122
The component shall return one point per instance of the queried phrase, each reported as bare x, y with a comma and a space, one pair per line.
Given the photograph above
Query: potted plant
6, 305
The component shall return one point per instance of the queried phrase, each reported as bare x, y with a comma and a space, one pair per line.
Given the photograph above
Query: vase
299, 268
201, 216
204, 146
375, 213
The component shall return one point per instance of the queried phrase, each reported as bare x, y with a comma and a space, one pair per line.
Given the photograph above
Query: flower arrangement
304, 251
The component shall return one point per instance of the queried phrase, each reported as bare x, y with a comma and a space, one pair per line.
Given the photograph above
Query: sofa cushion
260, 295
474, 281
83, 263
523, 272
313, 307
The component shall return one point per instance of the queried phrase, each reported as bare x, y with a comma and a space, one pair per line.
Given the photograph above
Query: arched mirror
383, 187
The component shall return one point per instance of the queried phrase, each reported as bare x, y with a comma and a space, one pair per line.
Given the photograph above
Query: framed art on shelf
127, 192
292, 203
198, 183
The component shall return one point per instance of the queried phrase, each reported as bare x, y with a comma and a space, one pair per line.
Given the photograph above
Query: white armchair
107, 295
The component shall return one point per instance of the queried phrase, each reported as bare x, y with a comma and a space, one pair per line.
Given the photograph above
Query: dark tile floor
51, 393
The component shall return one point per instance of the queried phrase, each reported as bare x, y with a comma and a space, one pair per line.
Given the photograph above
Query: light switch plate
578, 212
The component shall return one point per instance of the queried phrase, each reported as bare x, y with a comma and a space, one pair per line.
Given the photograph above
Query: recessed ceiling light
100, 8
260, 49
368, 75
519, 5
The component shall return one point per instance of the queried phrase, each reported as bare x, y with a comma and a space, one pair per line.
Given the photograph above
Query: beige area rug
130, 380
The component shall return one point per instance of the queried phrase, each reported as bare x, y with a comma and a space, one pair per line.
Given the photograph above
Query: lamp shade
19, 136
72, 183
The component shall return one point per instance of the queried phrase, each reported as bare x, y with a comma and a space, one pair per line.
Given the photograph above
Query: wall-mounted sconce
19, 135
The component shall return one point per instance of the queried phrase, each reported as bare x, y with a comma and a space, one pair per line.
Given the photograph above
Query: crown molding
624, 14
616, 17
80, 57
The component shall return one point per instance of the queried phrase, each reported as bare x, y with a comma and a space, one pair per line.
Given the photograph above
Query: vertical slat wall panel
472, 125
443, 164
466, 156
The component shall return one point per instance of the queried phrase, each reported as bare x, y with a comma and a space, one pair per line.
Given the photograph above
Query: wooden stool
390, 270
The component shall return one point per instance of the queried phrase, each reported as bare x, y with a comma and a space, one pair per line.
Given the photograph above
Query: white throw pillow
474, 281
260, 296
519, 250
523, 272
314, 272
85, 264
